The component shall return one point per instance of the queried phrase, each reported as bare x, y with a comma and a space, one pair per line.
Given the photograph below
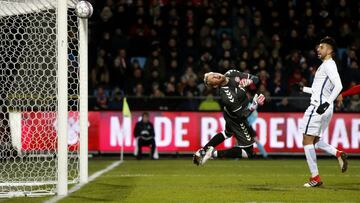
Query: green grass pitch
179, 180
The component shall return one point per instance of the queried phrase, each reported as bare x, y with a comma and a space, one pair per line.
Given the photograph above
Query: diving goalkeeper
232, 90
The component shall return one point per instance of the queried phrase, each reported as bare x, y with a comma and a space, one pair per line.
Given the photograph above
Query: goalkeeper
232, 90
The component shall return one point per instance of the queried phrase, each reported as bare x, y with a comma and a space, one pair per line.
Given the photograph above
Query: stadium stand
158, 50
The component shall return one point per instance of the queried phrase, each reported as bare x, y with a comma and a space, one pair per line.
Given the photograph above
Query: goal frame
63, 97
62, 102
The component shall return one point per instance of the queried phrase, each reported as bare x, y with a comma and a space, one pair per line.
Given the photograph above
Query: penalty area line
80, 185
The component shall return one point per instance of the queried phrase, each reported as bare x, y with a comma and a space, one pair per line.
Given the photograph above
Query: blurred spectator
262, 90
170, 88
189, 103
100, 74
283, 105
102, 98
156, 92
138, 90
209, 104
298, 100
120, 69
241, 29
277, 86
173, 70
106, 18
354, 104
116, 99
155, 66
310, 37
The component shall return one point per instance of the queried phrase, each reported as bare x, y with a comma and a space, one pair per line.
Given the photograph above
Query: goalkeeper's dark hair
330, 41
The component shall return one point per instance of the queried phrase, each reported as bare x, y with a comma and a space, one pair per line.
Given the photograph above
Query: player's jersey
235, 103
233, 97
323, 84
234, 100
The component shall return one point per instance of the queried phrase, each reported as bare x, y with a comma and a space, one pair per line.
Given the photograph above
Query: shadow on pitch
343, 186
266, 188
100, 191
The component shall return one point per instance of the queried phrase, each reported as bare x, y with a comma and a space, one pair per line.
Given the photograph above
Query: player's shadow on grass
89, 199
107, 192
344, 186
266, 188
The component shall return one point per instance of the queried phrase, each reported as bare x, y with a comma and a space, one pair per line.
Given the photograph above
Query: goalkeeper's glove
245, 82
322, 108
257, 100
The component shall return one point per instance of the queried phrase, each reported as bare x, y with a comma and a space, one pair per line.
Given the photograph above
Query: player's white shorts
313, 123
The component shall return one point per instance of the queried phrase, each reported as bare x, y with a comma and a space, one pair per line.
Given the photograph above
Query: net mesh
28, 96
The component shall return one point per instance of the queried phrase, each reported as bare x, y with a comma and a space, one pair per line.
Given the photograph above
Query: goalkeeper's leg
216, 140
203, 154
235, 152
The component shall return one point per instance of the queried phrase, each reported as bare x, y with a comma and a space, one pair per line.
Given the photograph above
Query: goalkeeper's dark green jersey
235, 103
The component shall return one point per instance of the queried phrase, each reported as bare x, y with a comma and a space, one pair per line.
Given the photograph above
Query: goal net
29, 97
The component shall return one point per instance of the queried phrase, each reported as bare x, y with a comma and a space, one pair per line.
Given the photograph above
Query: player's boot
342, 158
314, 182
198, 156
208, 155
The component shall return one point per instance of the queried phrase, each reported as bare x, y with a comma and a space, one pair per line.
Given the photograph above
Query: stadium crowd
160, 48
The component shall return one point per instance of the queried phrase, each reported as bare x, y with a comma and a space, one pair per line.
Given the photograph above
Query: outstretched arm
351, 91
307, 90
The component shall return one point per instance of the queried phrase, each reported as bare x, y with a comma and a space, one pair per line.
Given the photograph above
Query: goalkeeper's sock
326, 147
215, 141
235, 152
311, 159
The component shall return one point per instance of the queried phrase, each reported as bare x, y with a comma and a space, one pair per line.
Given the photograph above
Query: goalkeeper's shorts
241, 129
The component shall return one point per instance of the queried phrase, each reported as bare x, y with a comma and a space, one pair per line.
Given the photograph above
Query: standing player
236, 110
324, 90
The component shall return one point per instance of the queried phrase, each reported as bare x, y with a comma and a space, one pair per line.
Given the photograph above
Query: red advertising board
188, 131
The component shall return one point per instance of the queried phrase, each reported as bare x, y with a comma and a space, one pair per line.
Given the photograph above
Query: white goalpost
43, 97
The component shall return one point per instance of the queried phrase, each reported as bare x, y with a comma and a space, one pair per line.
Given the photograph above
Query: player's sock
235, 152
311, 159
215, 141
326, 147
262, 149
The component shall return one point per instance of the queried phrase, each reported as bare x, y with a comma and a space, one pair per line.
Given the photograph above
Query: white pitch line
226, 175
91, 178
